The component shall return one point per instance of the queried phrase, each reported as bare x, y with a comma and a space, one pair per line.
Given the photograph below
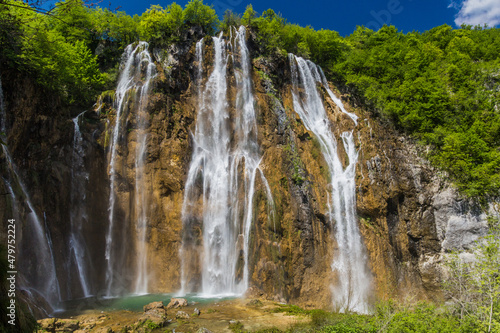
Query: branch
45, 12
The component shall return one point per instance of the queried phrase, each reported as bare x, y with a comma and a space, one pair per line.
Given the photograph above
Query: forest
441, 86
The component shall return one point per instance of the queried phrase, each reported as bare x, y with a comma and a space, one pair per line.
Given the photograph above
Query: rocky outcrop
155, 313
54, 325
408, 212
177, 303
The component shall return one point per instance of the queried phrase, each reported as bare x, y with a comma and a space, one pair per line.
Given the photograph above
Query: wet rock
153, 305
177, 303
159, 320
181, 315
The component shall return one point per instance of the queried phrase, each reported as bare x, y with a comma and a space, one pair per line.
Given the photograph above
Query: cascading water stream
321, 77
138, 70
354, 281
141, 204
247, 148
224, 164
36, 262
78, 214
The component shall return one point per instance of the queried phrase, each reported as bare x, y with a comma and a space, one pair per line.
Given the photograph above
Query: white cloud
475, 12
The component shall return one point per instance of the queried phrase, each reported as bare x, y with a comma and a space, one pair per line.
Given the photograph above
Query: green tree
474, 285
198, 14
59, 62
161, 26
230, 20
73, 21
249, 16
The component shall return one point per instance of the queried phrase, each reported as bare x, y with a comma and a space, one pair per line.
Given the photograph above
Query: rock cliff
407, 211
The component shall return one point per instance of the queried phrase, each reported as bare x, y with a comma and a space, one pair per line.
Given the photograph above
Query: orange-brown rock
408, 213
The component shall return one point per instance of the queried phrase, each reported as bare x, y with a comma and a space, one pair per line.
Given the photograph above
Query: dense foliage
441, 86
388, 316
74, 50
472, 286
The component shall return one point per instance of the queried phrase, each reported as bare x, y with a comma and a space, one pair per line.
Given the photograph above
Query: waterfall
354, 280
334, 98
35, 256
138, 70
78, 214
141, 204
223, 171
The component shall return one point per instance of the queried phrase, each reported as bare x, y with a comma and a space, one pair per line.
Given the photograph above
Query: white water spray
224, 163
141, 203
78, 214
138, 70
37, 265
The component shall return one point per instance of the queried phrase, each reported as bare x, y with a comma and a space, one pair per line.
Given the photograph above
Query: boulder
153, 305
177, 303
156, 313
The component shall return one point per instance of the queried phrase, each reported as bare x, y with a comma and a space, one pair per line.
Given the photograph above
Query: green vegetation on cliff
441, 86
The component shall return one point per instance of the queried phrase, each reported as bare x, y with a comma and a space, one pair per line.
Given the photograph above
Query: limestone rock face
408, 213
459, 222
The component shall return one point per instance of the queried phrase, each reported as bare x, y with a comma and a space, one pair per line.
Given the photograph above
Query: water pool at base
132, 302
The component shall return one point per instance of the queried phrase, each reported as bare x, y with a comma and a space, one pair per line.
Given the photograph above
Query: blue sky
344, 15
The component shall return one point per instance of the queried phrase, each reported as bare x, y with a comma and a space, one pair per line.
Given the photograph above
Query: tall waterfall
221, 180
354, 281
141, 204
78, 216
37, 266
134, 82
